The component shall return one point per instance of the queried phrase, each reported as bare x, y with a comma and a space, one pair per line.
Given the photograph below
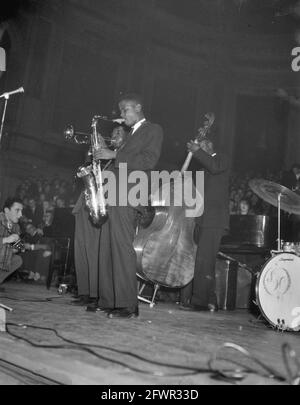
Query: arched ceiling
245, 16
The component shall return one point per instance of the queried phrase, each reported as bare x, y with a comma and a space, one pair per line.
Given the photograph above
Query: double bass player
199, 295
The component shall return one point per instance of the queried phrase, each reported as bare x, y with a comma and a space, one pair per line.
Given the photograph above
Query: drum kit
278, 283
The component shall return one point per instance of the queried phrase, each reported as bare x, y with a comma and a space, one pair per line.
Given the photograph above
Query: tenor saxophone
93, 181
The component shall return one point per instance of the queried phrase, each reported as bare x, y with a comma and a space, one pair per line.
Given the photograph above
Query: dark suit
209, 228
36, 216
117, 273
9, 261
86, 250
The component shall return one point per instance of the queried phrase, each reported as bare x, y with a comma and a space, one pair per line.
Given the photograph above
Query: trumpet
70, 134
80, 137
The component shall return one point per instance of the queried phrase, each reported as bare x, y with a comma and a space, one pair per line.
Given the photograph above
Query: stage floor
181, 342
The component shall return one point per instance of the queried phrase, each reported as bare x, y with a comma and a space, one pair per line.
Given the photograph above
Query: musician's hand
105, 154
27, 246
192, 146
282, 93
11, 238
47, 253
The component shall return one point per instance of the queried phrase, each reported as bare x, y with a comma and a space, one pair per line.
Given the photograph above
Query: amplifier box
233, 285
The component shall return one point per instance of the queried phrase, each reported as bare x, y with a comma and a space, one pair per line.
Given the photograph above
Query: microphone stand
6, 96
278, 223
2, 306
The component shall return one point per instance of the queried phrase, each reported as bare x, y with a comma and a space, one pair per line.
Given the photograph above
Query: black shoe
82, 300
195, 308
124, 313
95, 307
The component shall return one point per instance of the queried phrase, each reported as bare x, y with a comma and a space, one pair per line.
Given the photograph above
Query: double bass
166, 249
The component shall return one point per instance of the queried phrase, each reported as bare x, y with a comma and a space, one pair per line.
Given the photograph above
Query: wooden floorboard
163, 334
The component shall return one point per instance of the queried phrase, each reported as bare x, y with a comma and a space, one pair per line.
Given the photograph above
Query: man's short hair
122, 125
10, 202
245, 200
296, 166
131, 97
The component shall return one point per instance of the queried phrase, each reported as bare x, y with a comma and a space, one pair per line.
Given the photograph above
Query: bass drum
278, 291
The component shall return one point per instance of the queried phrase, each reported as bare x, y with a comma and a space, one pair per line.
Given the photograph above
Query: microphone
9, 93
119, 120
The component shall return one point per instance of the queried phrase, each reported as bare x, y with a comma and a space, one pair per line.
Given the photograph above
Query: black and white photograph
149, 195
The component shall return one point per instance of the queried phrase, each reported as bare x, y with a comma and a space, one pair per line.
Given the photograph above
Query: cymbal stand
278, 225
3, 308
234, 260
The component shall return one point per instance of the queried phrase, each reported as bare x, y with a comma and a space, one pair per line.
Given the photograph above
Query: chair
142, 283
60, 258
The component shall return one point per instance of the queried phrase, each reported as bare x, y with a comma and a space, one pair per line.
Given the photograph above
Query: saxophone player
117, 260
87, 243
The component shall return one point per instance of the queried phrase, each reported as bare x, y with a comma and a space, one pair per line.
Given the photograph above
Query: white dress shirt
137, 125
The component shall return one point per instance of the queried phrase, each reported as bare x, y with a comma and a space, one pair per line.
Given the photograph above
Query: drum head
278, 291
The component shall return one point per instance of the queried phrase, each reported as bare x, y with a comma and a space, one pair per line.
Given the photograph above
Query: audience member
37, 257
33, 212
244, 208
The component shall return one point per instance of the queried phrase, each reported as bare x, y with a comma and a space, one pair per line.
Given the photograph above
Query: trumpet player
87, 243
9, 234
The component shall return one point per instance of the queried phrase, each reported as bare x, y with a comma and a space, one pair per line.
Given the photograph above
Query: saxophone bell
92, 174
94, 201
92, 178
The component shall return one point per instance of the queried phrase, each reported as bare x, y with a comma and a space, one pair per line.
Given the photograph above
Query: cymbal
269, 192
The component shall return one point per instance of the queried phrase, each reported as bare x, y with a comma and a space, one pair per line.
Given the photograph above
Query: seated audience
34, 212
46, 226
